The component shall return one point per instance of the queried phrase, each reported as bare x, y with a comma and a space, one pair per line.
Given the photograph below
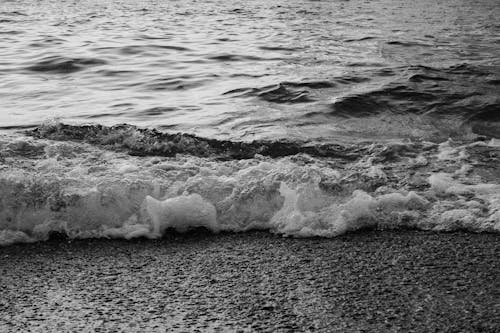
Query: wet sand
404, 281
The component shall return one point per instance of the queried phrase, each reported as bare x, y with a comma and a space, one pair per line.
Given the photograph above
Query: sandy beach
376, 281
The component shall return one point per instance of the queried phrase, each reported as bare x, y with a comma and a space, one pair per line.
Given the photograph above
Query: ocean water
305, 118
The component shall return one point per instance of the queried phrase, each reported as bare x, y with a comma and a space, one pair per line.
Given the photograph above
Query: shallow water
320, 70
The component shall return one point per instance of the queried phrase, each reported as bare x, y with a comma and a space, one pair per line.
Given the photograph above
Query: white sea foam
83, 191
494, 143
181, 213
447, 151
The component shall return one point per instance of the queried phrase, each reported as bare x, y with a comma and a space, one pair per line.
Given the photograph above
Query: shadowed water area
329, 71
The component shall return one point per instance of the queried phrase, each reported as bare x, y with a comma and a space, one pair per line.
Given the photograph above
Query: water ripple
58, 64
321, 70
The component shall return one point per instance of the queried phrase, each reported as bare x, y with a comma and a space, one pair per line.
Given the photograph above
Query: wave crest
82, 191
144, 142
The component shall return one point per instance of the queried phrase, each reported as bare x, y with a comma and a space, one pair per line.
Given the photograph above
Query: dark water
322, 70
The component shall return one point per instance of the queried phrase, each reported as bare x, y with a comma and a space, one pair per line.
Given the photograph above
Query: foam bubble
494, 142
181, 213
441, 182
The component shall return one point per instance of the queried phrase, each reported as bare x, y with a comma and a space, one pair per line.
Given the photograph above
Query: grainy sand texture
372, 281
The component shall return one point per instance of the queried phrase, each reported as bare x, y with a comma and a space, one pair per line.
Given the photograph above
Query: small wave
361, 39
11, 32
44, 42
407, 44
18, 127
137, 49
239, 57
253, 75
350, 79
365, 64
310, 84
114, 73
82, 191
355, 106
104, 115
144, 142
461, 92
14, 13
64, 65
283, 92
156, 111
177, 83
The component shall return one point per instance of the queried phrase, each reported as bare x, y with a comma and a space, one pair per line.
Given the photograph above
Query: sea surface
125, 118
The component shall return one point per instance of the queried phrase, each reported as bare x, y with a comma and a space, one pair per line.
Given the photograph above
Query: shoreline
381, 281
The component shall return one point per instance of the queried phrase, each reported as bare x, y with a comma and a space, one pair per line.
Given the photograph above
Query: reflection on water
255, 69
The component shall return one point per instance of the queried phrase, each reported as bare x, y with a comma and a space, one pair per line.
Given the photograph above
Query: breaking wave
142, 142
464, 94
80, 181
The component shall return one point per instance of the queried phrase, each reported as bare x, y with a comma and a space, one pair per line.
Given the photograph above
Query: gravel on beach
371, 281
